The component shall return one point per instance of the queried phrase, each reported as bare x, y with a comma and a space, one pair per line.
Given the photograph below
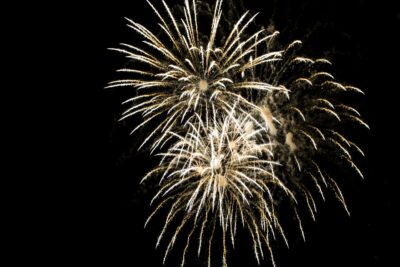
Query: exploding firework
186, 75
220, 173
305, 124
246, 124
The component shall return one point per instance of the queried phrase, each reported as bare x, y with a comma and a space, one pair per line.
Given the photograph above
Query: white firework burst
246, 122
184, 74
220, 173
305, 125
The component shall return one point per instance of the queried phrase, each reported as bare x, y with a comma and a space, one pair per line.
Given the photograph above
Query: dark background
93, 209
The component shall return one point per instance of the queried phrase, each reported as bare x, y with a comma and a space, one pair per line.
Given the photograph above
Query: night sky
93, 207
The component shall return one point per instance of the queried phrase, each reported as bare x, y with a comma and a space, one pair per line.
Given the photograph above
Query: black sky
93, 212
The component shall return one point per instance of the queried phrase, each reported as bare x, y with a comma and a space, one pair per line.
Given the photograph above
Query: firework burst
246, 122
186, 75
220, 173
305, 124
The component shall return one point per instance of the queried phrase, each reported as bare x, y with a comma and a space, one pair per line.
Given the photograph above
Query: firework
220, 173
184, 75
244, 124
305, 124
